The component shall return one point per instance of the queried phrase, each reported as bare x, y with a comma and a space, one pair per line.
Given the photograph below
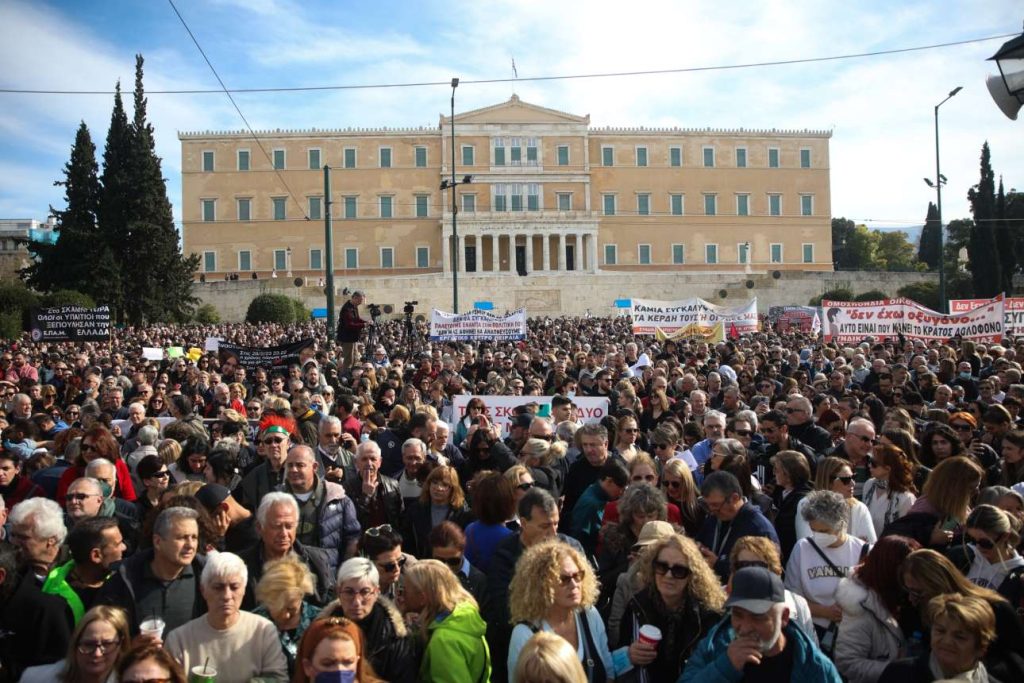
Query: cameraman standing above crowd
350, 327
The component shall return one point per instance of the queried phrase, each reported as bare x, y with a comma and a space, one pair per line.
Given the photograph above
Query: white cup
153, 628
650, 634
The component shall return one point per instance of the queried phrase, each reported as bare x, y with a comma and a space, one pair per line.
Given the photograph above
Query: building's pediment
514, 110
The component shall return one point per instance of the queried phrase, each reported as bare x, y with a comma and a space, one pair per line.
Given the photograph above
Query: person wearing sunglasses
681, 596
554, 589
448, 545
836, 475
382, 545
275, 436
98, 643
819, 561
988, 555
890, 492
627, 434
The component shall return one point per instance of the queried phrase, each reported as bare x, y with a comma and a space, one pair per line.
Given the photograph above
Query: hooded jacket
710, 663
1006, 578
456, 650
393, 651
338, 524
869, 635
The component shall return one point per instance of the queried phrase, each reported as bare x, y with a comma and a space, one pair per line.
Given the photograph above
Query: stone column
546, 251
579, 252
495, 253
460, 253
446, 252
593, 252
560, 256
529, 253
474, 241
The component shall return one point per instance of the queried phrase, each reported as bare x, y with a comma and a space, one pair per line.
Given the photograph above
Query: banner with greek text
70, 323
477, 325
252, 357
711, 334
852, 321
1013, 311
498, 409
650, 315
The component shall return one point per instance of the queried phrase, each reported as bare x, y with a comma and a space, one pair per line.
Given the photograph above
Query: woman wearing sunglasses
890, 492
554, 589
99, 641
682, 597
988, 556
836, 475
627, 434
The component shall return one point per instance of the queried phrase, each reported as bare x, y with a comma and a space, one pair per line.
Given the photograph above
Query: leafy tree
302, 313
924, 293
68, 263
893, 252
842, 230
837, 294
67, 297
207, 315
861, 246
1004, 241
931, 235
958, 237
271, 308
871, 295
984, 261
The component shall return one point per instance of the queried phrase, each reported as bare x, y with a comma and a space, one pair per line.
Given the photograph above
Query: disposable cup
203, 674
650, 634
153, 628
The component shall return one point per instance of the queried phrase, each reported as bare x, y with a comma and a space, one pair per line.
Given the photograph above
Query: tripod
372, 338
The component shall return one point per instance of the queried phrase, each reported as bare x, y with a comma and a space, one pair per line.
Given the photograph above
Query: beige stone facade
549, 194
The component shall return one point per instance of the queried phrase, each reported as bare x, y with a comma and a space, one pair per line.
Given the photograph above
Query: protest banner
1013, 311
498, 409
794, 318
477, 325
852, 321
709, 333
252, 357
70, 323
152, 353
670, 316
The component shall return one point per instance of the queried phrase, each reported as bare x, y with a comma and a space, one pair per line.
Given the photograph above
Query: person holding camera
350, 328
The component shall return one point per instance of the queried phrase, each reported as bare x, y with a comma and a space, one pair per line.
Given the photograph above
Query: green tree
271, 308
842, 230
207, 315
894, 252
838, 294
114, 208
924, 293
931, 235
871, 295
67, 263
861, 245
1005, 246
983, 259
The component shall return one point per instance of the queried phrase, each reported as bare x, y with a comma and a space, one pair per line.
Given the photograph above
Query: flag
733, 332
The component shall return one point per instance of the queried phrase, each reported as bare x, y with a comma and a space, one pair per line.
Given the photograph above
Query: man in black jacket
350, 328
775, 431
376, 496
800, 416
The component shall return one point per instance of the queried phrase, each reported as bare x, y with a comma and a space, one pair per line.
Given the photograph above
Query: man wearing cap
758, 642
235, 524
350, 328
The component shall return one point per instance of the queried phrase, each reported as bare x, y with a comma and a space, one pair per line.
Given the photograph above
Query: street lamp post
453, 183
939, 181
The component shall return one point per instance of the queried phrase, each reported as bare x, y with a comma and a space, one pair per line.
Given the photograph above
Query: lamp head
467, 180
955, 90
455, 83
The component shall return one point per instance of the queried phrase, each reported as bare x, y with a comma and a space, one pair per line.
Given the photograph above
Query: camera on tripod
410, 307
374, 310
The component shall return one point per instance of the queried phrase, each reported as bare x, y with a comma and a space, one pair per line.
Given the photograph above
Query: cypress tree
68, 263
160, 285
985, 264
1004, 241
116, 236
928, 251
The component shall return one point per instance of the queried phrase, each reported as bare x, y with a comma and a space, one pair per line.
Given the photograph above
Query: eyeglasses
961, 427
352, 593
378, 530
568, 579
87, 447
795, 410
77, 497
526, 486
743, 564
87, 647
677, 571
743, 432
162, 474
633, 430
865, 439
273, 440
846, 480
661, 446
454, 562
392, 566
983, 543
673, 484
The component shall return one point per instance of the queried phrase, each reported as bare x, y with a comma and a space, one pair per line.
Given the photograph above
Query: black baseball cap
756, 590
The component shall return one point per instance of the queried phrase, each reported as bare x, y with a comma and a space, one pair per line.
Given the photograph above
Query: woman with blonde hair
99, 641
521, 479
169, 451
554, 589
989, 554
281, 593
627, 436
544, 459
939, 514
546, 658
682, 597
926, 574
449, 622
333, 644
681, 490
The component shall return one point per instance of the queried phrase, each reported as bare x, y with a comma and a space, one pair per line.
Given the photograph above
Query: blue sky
880, 109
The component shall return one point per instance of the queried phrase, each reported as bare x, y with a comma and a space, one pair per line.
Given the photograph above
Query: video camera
410, 307
374, 310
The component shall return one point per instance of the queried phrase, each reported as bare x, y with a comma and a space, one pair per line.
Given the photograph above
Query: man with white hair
376, 495
714, 429
758, 641
800, 416
38, 531
240, 645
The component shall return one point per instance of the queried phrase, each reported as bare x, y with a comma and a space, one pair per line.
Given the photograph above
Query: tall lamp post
939, 182
453, 183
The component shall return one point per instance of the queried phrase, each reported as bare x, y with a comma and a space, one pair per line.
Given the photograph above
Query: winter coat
681, 631
260, 481
314, 558
338, 524
386, 487
786, 516
394, 652
710, 663
456, 650
35, 628
418, 526
869, 635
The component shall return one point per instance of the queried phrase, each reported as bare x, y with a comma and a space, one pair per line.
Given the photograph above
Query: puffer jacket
339, 524
394, 652
869, 636
457, 651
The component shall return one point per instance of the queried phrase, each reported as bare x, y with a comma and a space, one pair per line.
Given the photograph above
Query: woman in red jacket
97, 442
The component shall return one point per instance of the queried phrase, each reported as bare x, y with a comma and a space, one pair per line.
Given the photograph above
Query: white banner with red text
498, 409
477, 325
1013, 311
852, 321
650, 315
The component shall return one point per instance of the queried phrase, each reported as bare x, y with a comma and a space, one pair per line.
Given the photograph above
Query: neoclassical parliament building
548, 194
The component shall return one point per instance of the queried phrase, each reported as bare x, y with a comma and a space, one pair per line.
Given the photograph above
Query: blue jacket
710, 661
749, 521
586, 517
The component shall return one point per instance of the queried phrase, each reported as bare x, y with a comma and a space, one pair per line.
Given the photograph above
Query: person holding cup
554, 589
680, 602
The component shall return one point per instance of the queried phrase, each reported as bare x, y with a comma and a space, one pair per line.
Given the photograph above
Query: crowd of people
772, 507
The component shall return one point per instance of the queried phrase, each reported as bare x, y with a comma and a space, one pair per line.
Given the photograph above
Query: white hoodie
992, 574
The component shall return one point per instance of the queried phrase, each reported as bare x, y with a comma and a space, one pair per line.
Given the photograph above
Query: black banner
70, 323
252, 357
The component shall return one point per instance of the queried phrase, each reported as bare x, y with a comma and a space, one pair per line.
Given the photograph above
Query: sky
879, 109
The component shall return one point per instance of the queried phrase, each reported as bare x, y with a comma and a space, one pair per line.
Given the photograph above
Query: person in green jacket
449, 620
95, 545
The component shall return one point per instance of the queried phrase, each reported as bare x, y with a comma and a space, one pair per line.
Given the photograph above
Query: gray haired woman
819, 562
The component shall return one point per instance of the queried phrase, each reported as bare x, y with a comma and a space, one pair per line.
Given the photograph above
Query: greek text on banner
852, 321
669, 316
477, 325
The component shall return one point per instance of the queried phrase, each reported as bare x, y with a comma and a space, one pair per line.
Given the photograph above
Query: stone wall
562, 294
